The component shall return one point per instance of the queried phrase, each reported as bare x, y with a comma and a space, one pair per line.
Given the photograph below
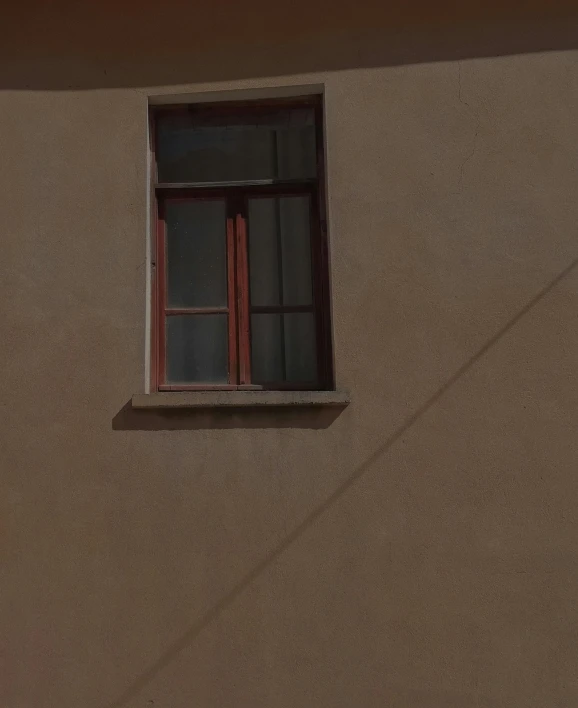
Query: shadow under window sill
201, 410
238, 399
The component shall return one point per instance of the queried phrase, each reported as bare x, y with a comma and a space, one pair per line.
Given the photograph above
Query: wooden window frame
238, 309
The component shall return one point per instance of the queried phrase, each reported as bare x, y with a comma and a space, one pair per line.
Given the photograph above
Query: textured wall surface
418, 550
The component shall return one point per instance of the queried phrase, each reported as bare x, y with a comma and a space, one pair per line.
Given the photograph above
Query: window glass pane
300, 349
283, 348
197, 349
196, 253
201, 148
280, 251
266, 349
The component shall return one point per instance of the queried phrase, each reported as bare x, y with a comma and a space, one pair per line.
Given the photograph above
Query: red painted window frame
238, 308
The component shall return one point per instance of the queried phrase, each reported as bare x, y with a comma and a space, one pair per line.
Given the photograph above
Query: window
240, 281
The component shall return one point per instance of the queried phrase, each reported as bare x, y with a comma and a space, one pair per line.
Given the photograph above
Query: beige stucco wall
418, 550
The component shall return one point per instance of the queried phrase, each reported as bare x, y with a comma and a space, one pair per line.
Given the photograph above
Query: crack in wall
474, 144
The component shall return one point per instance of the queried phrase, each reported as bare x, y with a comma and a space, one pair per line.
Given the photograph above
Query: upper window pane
196, 253
280, 251
200, 147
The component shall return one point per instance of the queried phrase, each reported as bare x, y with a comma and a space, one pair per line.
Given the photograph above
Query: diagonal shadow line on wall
212, 614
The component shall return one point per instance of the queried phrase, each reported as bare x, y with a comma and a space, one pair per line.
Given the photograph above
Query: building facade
413, 546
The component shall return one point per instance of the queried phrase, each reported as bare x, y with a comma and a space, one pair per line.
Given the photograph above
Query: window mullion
243, 298
232, 301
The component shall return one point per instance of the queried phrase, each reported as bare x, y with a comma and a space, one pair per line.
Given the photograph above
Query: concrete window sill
239, 399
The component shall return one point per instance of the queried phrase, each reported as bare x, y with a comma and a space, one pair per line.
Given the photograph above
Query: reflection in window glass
196, 253
280, 251
280, 146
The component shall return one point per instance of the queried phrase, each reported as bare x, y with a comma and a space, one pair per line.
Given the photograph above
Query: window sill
239, 399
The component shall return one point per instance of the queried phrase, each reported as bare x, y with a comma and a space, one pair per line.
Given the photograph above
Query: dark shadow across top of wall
67, 45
